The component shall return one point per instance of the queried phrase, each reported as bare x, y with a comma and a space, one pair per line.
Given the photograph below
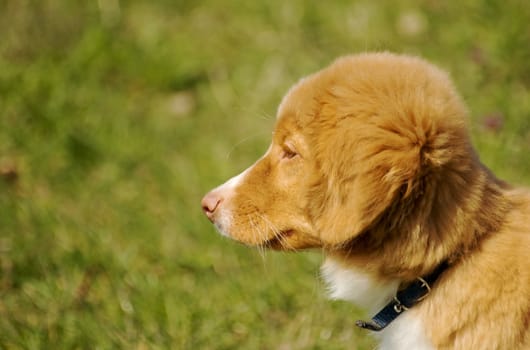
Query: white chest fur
347, 283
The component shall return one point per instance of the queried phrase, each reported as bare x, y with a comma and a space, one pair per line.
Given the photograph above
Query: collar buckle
404, 299
425, 285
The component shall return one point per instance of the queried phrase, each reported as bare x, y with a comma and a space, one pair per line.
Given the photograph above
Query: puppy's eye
288, 152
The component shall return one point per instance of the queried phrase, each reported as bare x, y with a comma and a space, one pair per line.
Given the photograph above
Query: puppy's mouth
279, 241
291, 240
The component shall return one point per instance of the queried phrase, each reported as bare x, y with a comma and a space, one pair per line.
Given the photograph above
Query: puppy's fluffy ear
385, 162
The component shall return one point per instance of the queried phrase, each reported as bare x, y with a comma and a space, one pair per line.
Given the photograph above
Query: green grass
117, 116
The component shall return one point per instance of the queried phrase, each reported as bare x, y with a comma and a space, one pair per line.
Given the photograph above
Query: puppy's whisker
246, 139
266, 116
278, 233
269, 224
262, 236
256, 234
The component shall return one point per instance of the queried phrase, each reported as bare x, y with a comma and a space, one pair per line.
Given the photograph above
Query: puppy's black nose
210, 203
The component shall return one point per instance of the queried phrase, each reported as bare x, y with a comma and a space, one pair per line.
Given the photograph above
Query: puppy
371, 161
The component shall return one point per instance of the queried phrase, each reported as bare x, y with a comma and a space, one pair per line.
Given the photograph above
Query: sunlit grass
117, 116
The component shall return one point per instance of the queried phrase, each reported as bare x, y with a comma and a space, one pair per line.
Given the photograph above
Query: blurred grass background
117, 116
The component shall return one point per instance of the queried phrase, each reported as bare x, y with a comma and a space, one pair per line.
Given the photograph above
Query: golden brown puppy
371, 161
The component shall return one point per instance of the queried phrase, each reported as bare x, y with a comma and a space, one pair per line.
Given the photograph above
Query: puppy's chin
291, 240
284, 240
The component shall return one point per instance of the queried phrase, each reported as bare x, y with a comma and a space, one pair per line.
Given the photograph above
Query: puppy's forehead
300, 102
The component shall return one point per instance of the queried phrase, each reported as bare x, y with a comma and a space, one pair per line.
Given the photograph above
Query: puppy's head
352, 144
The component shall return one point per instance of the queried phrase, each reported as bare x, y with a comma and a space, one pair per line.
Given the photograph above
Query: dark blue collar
403, 300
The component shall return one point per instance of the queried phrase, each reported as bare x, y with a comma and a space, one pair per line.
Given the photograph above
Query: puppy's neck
445, 219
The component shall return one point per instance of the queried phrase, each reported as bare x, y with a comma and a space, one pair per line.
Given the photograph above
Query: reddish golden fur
371, 161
